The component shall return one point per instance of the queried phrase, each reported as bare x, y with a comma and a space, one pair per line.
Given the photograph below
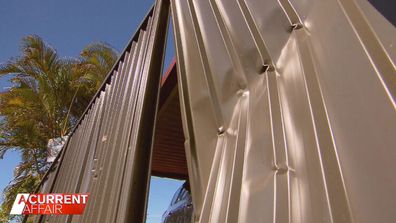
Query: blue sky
68, 26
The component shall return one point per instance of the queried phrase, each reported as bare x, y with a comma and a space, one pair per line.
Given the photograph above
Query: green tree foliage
48, 96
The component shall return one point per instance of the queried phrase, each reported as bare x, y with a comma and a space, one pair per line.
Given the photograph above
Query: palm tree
97, 60
48, 97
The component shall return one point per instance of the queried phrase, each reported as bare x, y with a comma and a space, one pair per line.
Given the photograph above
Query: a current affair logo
56, 204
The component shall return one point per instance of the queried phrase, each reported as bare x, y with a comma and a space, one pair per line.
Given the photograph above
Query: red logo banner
56, 204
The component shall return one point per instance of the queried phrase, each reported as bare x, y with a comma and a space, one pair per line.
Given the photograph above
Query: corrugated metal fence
288, 112
112, 143
288, 109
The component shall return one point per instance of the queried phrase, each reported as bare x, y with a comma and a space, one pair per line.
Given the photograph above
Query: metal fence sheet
288, 110
109, 150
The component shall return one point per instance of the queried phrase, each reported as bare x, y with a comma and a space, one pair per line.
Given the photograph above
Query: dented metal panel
288, 109
108, 154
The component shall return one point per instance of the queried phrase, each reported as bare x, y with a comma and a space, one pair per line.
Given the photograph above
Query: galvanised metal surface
288, 109
108, 154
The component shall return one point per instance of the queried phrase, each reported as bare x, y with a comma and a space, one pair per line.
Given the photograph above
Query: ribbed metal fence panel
108, 154
288, 109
